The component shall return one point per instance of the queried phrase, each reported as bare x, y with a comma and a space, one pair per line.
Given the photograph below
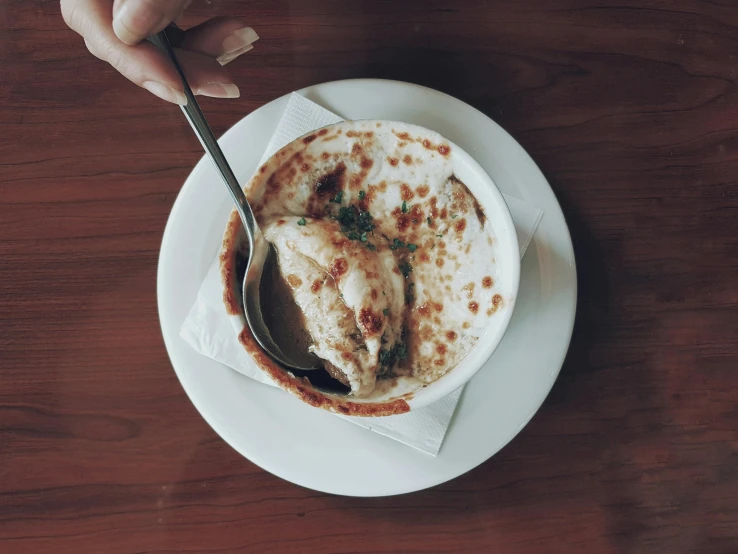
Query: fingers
224, 38
134, 20
143, 64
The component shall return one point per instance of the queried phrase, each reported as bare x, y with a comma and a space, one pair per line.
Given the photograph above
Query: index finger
134, 20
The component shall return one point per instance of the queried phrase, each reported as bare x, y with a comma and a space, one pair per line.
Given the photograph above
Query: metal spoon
259, 248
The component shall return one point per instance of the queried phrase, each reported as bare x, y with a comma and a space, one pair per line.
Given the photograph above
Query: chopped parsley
338, 197
362, 194
454, 216
397, 243
370, 246
385, 311
387, 357
404, 207
406, 269
429, 220
355, 223
302, 222
412, 247
362, 237
440, 236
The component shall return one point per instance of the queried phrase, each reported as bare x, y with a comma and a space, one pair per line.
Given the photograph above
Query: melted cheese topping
419, 286
352, 296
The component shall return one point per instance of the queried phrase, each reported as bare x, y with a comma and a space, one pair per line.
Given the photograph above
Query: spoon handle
200, 125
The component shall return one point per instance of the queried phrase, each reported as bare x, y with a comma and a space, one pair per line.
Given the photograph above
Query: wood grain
630, 109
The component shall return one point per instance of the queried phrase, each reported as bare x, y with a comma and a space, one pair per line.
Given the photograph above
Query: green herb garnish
385, 311
429, 220
404, 207
302, 222
338, 197
406, 269
397, 243
412, 247
362, 194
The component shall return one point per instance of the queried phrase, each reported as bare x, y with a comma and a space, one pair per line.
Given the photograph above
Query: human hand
113, 31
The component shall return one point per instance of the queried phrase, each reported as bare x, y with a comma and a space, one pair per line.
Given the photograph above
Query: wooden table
631, 112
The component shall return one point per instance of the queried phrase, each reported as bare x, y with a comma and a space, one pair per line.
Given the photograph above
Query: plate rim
254, 456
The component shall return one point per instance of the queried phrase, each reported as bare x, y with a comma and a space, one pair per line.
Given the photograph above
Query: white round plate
311, 447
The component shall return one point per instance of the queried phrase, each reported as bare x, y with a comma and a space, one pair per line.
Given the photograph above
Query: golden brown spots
473, 307
437, 320
325, 155
290, 195
460, 225
294, 280
315, 287
443, 149
383, 186
423, 191
451, 335
428, 144
496, 303
434, 208
310, 138
442, 244
375, 294
338, 268
371, 322
403, 136
395, 271
366, 163
281, 222
331, 183
379, 125
439, 262
352, 134
356, 149
322, 132
441, 348
439, 362
469, 288
407, 160
487, 283
406, 192
466, 325
263, 169
393, 161
424, 256
416, 214
305, 167
424, 309
340, 242
438, 307
346, 355
444, 213
369, 134
402, 221
355, 182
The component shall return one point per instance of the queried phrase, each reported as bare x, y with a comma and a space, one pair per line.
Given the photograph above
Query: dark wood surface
632, 113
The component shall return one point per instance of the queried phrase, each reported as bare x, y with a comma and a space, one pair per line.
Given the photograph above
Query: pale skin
114, 31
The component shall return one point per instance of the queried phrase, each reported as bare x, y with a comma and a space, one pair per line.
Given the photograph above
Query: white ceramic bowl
490, 198
507, 279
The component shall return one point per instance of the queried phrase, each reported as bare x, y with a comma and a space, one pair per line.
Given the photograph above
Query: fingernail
132, 24
165, 93
228, 58
238, 40
219, 90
